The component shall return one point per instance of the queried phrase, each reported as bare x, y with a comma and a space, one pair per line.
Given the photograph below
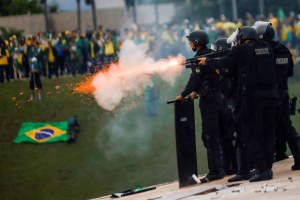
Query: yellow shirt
3, 59
51, 57
92, 50
109, 48
297, 29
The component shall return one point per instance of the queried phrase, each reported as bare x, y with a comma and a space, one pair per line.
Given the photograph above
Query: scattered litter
132, 191
217, 188
290, 179
263, 186
239, 189
221, 187
271, 188
196, 178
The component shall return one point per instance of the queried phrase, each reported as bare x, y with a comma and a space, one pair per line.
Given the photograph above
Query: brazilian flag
44, 132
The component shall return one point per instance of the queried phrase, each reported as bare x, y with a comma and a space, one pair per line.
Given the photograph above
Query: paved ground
285, 185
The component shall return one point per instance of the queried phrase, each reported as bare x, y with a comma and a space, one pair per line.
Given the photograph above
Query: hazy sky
68, 5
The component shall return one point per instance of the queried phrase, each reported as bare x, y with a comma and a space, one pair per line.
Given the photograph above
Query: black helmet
264, 30
220, 44
198, 37
247, 33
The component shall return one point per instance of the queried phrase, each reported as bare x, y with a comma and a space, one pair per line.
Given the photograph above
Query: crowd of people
73, 53
259, 94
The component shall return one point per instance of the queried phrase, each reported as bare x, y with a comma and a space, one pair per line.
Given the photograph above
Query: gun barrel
185, 99
209, 55
190, 65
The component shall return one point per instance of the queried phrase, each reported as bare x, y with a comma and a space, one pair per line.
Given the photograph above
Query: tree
78, 16
3, 7
196, 10
92, 3
19, 7
7, 32
45, 10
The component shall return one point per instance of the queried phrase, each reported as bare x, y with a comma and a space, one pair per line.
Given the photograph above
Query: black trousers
228, 130
52, 69
7, 73
60, 61
210, 114
285, 132
258, 133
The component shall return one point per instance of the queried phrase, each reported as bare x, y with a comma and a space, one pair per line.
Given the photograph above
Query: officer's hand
202, 61
193, 95
179, 98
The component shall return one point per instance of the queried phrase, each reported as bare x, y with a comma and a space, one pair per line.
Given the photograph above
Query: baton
185, 99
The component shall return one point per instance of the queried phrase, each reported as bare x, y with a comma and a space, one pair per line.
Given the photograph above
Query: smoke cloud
132, 74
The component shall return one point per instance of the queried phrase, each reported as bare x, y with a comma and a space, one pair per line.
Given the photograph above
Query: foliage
195, 10
19, 7
53, 7
7, 32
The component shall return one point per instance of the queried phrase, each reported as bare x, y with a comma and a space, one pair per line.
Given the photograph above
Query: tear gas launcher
193, 62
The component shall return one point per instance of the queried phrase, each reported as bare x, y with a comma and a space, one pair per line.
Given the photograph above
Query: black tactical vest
283, 59
260, 66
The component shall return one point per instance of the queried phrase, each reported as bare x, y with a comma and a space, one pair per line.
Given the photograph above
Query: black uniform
205, 81
229, 127
285, 132
257, 97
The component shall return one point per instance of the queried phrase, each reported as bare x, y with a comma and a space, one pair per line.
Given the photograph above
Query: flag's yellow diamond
44, 133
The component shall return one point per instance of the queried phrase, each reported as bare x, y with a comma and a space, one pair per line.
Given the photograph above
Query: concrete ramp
285, 185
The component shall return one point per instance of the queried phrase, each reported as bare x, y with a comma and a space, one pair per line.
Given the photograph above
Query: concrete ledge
284, 185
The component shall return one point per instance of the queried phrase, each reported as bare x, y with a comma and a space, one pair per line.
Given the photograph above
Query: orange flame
86, 86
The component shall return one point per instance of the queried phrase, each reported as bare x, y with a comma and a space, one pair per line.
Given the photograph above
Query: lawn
114, 151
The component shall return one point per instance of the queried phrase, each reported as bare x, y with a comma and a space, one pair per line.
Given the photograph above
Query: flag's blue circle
44, 134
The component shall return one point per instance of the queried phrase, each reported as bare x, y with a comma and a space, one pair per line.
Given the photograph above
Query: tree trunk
222, 7
45, 10
94, 14
234, 10
261, 7
78, 16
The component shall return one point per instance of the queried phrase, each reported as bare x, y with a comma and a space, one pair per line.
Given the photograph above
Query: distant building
144, 13
112, 14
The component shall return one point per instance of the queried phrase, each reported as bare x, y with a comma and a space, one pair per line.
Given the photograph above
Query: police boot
296, 166
239, 177
215, 168
262, 175
281, 156
212, 177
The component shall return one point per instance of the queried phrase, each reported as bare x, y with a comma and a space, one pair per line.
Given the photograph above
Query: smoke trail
131, 75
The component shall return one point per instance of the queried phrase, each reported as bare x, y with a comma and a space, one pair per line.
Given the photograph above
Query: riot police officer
285, 132
204, 81
228, 127
257, 97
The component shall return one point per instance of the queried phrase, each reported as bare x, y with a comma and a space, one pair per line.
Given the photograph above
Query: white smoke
131, 75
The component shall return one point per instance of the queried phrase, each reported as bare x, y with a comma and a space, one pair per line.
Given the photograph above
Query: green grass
114, 151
